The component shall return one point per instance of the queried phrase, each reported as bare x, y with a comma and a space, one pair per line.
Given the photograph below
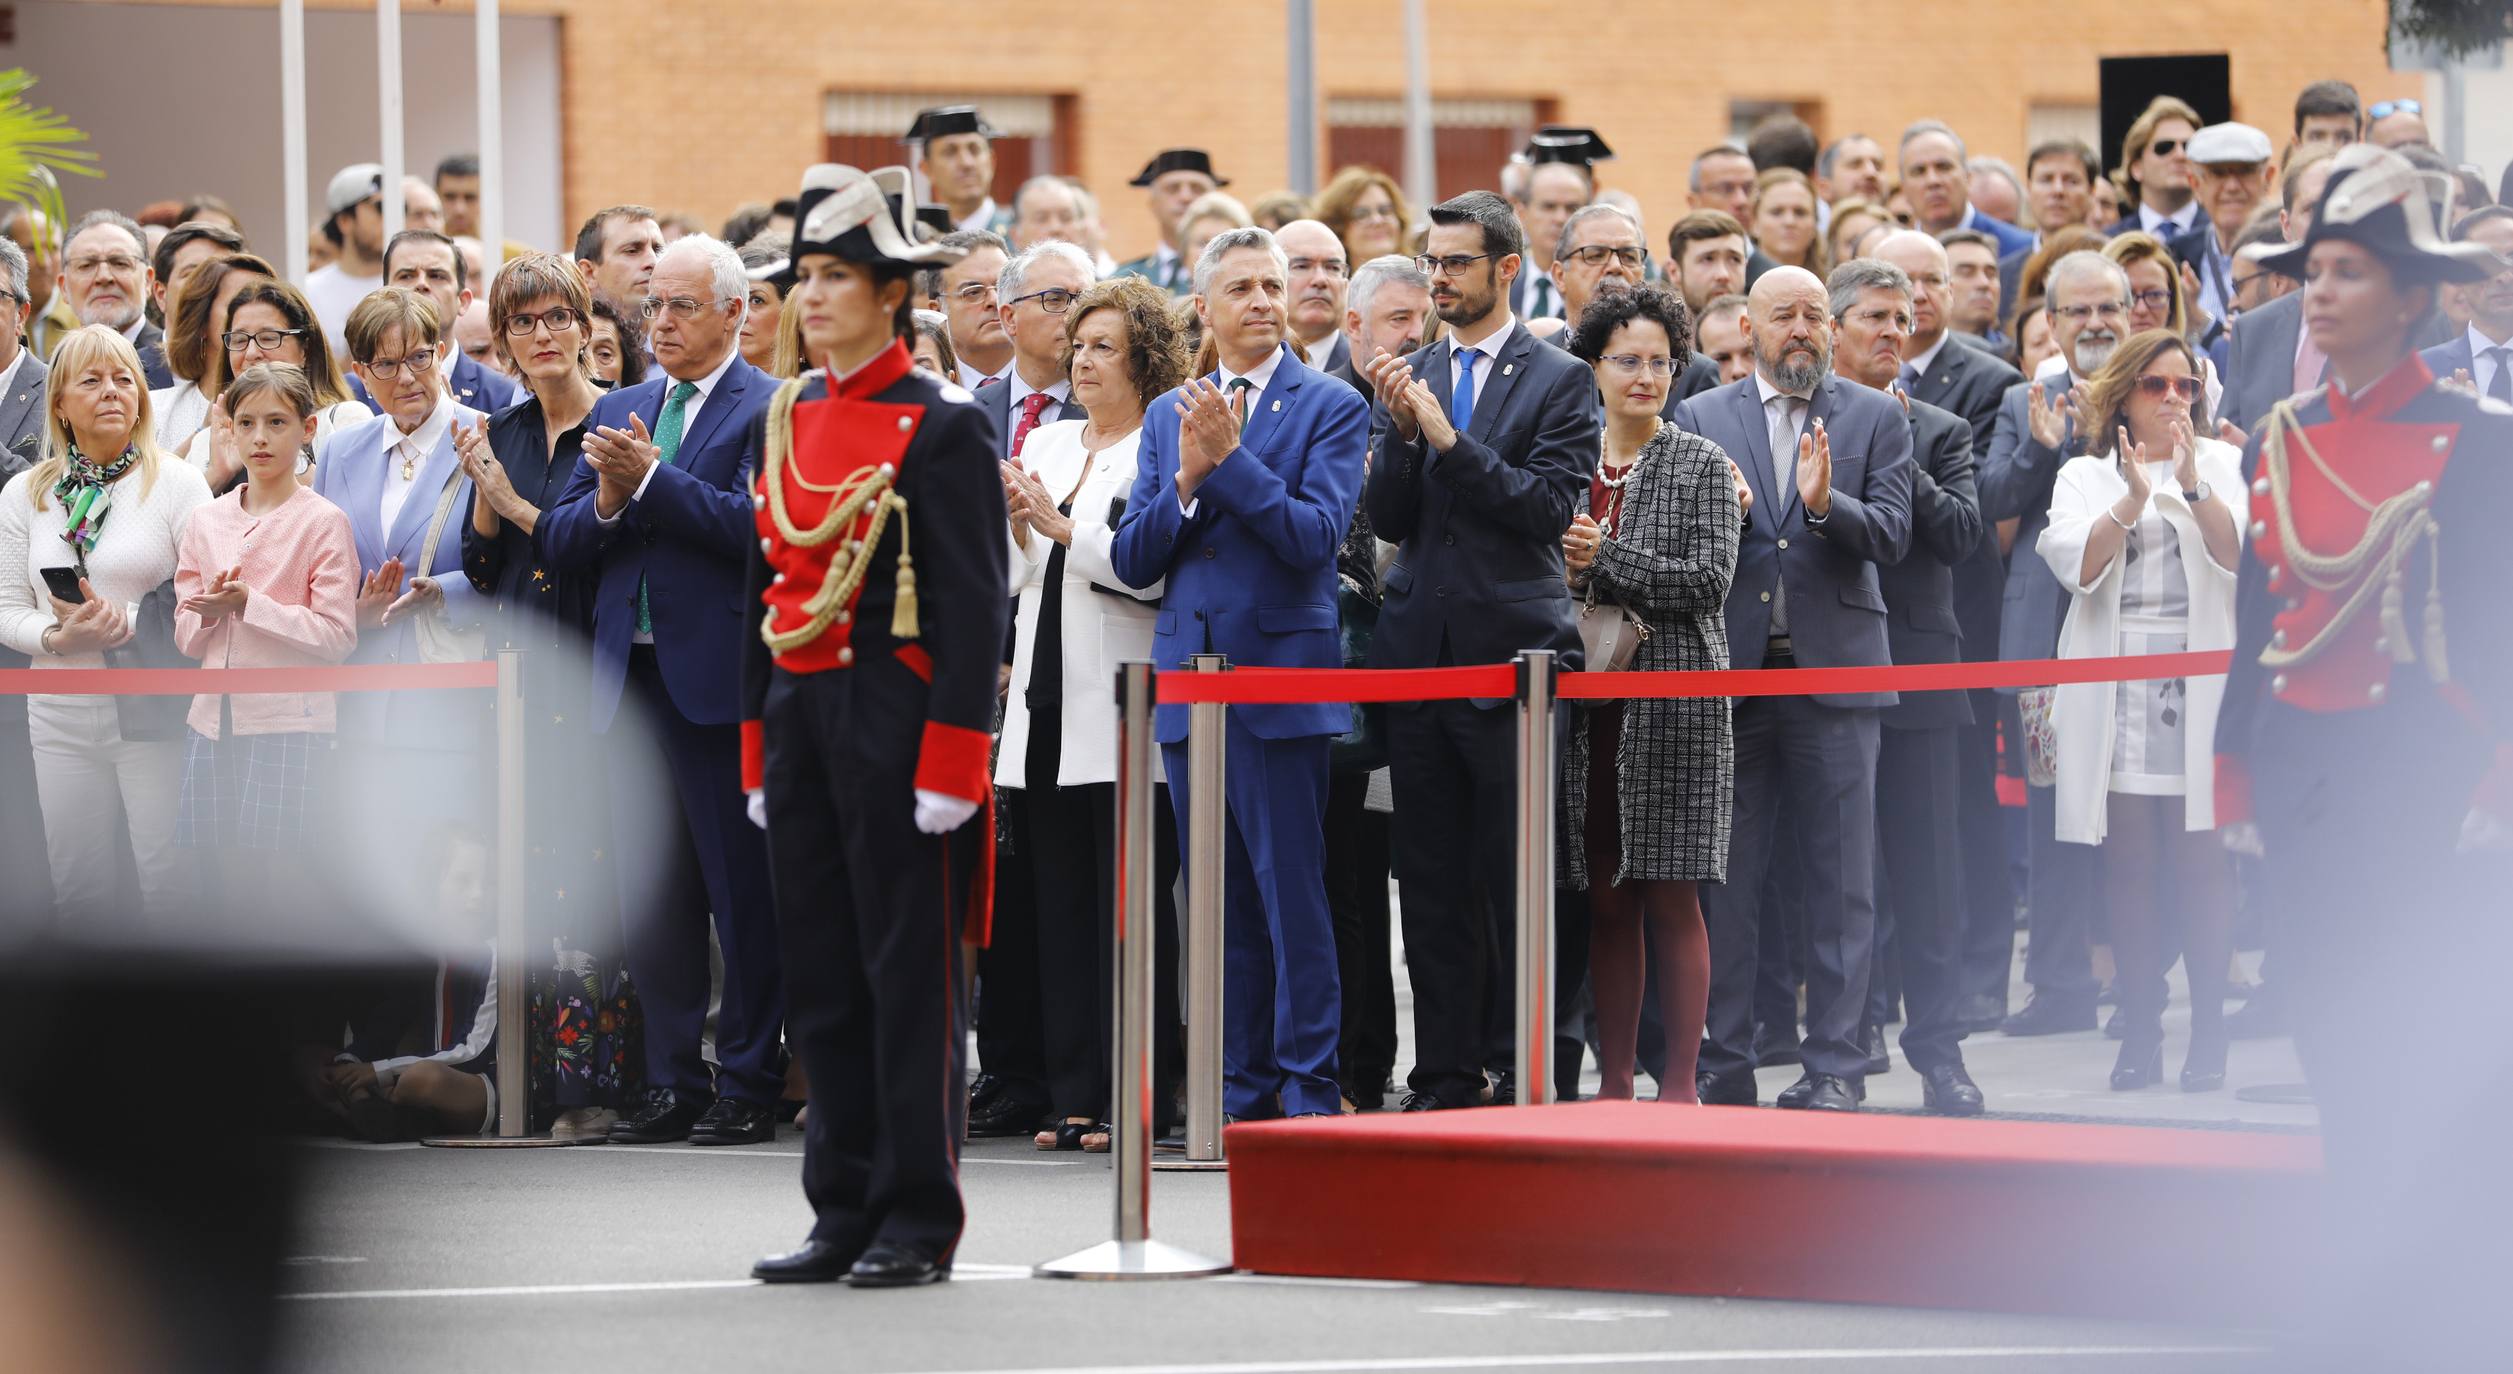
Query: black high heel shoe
2203, 1068
1068, 1136
2139, 1066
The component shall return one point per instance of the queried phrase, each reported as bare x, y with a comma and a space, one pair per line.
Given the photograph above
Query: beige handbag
1610, 635
440, 640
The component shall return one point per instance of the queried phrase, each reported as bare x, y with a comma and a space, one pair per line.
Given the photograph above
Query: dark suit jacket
1967, 379
996, 402
21, 446
2015, 483
1478, 573
2010, 238
2130, 225
688, 539
1946, 527
1251, 574
1757, 262
2442, 360
1836, 602
152, 346
2010, 278
2260, 370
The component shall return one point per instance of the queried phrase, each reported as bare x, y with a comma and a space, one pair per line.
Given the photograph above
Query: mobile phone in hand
64, 584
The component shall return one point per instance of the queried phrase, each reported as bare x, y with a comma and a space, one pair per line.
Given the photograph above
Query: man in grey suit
1483, 443
1031, 298
29, 895
1830, 465
1920, 915
2088, 298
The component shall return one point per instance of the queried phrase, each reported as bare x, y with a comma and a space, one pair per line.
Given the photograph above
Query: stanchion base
2277, 1094
500, 1142
1180, 1164
1140, 1259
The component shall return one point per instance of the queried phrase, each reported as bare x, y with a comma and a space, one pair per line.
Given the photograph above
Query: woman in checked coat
1647, 784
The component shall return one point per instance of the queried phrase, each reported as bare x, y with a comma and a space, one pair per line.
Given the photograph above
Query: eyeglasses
117, 263
386, 369
2166, 147
1053, 300
1333, 267
1455, 264
1596, 254
1365, 213
2154, 298
268, 340
2155, 388
2384, 109
974, 292
1631, 363
682, 307
559, 318
2079, 314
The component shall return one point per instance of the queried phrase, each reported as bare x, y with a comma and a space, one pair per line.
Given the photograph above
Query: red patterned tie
1031, 406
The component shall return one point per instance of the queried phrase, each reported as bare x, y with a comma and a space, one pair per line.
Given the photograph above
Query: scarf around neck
85, 492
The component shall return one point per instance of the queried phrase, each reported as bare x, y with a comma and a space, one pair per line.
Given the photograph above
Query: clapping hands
225, 597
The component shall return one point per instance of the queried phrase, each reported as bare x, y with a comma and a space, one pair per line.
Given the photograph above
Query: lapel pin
1508, 368
1278, 405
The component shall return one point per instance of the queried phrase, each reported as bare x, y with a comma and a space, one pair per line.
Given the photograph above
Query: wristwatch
2197, 496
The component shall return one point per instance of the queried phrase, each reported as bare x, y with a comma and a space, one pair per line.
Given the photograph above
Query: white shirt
1920, 365
1551, 300
2180, 219
408, 455
1258, 378
2482, 370
1484, 348
8, 375
333, 294
1316, 354
973, 379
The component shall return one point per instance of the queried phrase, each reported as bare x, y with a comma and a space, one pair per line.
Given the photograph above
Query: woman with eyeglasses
1366, 209
192, 343
2146, 539
269, 321
1647, 785
2159, 298
518, 463
400, 482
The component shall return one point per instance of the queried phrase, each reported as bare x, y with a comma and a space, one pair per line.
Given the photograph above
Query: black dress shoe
1775, 1046
662, 1116
1821, 1092
983, 1090
2112, 1025
1733, 1089
2203, 1068
1505, 1088
2051, 1016
890, 1265
1949, 1091
731, 1121
1872, 1044
1423, 1102
1981, 1012
817, 1261
2140, 1065
1007, 1115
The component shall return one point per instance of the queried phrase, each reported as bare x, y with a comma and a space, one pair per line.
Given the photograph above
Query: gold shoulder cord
2393, 529
872, 487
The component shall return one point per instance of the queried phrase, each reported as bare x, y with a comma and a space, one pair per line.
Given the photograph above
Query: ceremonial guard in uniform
2371, 687
879, 612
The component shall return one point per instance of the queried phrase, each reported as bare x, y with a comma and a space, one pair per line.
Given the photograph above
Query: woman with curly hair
1647, 785
1366, 209
1076, 621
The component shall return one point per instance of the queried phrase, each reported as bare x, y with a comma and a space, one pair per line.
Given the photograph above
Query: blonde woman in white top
106, 508
2146, 539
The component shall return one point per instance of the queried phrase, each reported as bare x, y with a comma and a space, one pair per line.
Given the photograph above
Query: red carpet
2114, 1221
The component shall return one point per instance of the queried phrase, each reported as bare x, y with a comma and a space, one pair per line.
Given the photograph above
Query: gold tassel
903, 607
2438, 667
2395, 617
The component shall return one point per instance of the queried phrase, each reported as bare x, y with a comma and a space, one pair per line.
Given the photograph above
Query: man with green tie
1175, 178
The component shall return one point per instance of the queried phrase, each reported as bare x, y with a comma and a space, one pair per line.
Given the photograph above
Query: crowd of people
1878, 403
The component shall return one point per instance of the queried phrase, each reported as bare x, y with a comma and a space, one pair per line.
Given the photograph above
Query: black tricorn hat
2380, 202
1169, 160
862, 217
941, 121
1576, 144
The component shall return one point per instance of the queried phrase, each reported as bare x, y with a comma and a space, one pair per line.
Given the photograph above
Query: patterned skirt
250, 791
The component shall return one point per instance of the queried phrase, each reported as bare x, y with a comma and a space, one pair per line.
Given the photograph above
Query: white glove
939, 813
2484, 832
758, 807
2243, 837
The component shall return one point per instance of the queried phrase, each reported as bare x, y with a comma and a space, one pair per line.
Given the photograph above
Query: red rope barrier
1276, 686
347, 677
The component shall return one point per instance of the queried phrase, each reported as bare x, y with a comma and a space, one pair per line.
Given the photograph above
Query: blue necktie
1461, 403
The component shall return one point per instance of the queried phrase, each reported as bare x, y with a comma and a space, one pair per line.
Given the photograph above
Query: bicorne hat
2380, 202
862, 217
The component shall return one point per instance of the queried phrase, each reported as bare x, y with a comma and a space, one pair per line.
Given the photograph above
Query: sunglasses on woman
2156, 388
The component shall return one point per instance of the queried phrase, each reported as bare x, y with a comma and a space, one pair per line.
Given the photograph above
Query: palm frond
36, 145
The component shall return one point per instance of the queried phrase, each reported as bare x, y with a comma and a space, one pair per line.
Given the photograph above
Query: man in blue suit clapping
1248, 479
659, 514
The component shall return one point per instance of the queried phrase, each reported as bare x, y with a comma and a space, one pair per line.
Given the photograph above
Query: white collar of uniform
1922, 363
1260, 376
1763, 385
1060, 390
431, 431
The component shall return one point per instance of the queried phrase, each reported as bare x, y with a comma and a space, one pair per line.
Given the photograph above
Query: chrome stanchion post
1535, 878
1207, 814
514, 1092
1133, 1254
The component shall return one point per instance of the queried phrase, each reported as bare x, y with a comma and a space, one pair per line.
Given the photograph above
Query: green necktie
667, 446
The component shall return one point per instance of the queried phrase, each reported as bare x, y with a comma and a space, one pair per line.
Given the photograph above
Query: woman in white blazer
1075, 623
2146, 539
